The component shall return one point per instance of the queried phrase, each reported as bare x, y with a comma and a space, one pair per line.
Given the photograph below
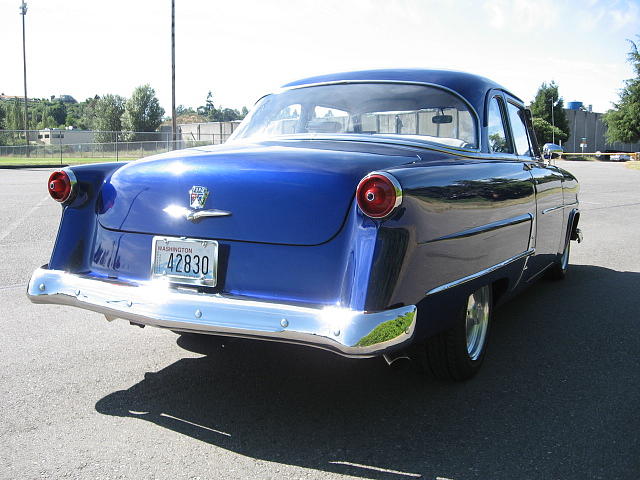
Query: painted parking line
12, 226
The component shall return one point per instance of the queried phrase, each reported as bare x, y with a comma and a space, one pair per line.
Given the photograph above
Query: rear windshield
393, 110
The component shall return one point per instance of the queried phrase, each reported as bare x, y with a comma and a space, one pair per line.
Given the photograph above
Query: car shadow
556, 398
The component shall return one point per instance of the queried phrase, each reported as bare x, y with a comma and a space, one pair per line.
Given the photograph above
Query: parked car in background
620, 157
369, 213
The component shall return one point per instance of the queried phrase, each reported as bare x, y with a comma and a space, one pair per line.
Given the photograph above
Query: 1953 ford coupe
363, 213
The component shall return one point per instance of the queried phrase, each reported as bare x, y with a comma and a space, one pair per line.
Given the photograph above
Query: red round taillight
378, 194
60, 186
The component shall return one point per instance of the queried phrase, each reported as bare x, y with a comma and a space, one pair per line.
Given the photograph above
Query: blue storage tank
574, 105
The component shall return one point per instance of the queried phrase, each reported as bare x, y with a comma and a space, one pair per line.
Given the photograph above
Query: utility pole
23, 12
173, 72
553, 125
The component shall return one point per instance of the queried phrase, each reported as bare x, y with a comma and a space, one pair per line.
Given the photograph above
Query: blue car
372, 213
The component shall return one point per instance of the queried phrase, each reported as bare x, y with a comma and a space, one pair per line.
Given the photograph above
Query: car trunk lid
294, 193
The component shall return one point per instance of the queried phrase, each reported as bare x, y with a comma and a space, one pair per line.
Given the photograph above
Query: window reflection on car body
519, 130
497, 130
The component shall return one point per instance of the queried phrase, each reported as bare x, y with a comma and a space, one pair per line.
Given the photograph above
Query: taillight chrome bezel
397, 188
73, 186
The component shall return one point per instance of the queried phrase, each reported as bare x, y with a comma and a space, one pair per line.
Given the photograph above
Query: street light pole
23, 12
173, 72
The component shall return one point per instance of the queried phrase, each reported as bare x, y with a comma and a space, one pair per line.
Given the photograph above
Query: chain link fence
58, 146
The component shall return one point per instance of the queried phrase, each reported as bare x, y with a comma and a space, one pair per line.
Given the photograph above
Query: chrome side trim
560, 207
537, 275
479, 274
552, 209
346, 332
484, 228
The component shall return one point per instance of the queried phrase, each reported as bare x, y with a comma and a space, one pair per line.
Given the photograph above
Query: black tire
558, 271
449, 355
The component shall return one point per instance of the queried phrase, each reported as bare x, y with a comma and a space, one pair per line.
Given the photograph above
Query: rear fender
74, 240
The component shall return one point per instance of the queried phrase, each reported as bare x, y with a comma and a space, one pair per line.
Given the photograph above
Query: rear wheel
457, 353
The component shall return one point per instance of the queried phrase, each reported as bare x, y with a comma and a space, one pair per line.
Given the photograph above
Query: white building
54, 136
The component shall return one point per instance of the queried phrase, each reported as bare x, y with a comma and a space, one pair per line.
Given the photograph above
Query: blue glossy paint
75, 239
295, 233
328, 274
271, 191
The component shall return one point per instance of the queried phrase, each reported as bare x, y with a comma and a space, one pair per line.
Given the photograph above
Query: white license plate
185, 260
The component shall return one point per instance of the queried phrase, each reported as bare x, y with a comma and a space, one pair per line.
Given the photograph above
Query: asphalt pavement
558, 396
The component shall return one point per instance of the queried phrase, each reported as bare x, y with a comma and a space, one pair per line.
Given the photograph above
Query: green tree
108, 112
71, 120
38, 115
58, 111
182, 110
46, 121
623, 121
3, 116
541, 108
15, 115
219, 114
546, 133
208, 110
228, 115
14, 120
142, 112
87, 113
74, 115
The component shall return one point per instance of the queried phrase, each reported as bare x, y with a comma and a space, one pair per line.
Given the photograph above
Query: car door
549, 201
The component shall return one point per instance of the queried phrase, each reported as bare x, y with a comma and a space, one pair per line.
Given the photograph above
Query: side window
519, 129
498, 140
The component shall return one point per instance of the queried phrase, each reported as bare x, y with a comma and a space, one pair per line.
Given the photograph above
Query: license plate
185, 260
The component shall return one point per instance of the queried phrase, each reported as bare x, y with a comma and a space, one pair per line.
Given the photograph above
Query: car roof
473, 88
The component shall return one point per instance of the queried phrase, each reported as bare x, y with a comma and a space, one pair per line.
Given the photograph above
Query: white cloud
607, 14
522, 15
496, 12
626, 14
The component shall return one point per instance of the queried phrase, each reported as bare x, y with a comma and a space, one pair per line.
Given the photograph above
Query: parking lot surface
557, 398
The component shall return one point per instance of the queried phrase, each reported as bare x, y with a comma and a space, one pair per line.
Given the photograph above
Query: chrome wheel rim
477, 321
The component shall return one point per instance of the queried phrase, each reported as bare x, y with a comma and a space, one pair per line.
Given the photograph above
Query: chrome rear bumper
347, 332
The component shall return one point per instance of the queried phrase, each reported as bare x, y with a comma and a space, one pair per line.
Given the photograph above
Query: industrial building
586, 127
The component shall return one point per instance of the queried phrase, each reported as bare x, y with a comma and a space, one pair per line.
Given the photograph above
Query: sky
243, 49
